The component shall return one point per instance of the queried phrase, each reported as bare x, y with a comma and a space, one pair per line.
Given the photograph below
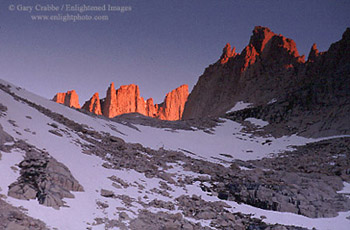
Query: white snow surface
273, 100
346, 189
227, 138
239, 106
257, 122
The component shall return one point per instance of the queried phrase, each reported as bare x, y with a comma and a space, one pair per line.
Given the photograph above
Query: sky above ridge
156, 44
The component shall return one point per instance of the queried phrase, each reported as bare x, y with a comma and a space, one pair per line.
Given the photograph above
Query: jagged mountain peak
227, 53
268, 43
346, 34
261, 36
127, 99
313, 54
93, 105
269, 67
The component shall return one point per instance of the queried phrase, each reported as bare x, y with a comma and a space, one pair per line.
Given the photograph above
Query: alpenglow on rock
266, 69
124, 100
93, 105
70, 99
127, 99
110, 103
174, 104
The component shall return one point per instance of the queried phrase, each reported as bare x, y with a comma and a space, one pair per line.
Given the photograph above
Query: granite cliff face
124, 100
70, 99
173, 105
93, 105
269, 68
110, 102
127, 99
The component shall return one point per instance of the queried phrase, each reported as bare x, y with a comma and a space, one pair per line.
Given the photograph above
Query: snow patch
239, 106
273, 100
257, 122
346, 189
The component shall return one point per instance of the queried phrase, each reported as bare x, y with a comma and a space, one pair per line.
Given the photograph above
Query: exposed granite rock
309, 187
227, 53
12, 218
109, 107
173, 105
314, 53
4, 138
70, 99
107, 193
93, 105
43, 178
162, 220
3, 110
127, 99
270, 68
151, 108
197, 208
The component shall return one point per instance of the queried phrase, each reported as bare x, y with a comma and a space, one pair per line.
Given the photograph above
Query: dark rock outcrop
227, 53
45, 179
314, 53
270, 68
13, 218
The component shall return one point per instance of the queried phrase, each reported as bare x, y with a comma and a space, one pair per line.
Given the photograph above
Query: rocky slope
12, 218
50, 152
127, 99
271, 69
43, 178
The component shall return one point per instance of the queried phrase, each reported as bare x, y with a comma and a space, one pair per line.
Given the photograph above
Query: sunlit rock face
151, 108
174, 104
127, 99
93, 105
110, 103
70, 99
227, 53
267, 64
314, 53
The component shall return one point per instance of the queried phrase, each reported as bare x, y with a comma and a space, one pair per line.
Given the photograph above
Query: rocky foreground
305, 181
